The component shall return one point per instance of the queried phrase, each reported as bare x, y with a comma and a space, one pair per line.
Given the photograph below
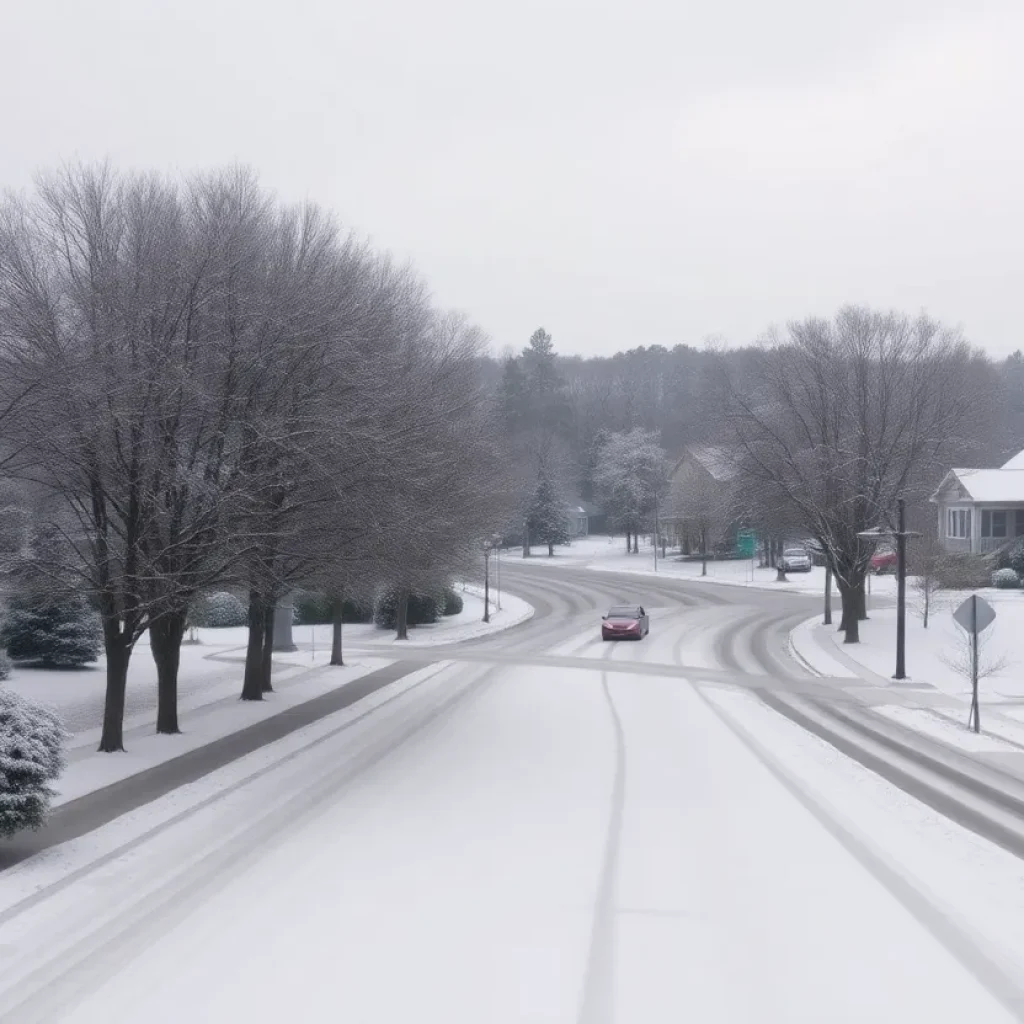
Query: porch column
975, 529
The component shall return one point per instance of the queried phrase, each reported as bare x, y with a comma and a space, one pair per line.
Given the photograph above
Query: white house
981, 510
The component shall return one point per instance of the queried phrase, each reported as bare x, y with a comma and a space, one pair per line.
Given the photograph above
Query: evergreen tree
51, 633
47, 623
548, 517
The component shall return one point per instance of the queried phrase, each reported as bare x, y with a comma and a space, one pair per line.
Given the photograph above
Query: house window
1018, 523
993, 523
958, 523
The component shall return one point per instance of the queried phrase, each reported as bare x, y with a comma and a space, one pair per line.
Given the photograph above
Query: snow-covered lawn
933, 653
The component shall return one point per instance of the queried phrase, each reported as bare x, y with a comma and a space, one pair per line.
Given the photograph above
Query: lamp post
487, 581
496, 542
900, 535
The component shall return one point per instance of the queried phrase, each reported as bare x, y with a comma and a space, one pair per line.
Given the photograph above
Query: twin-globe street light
900, 534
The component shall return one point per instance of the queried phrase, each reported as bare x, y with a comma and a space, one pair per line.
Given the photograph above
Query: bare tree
925, 558
849, 415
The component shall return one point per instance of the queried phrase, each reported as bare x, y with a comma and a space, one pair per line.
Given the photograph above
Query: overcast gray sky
653, 171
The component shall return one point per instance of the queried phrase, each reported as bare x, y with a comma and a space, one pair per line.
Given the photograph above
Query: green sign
746, 543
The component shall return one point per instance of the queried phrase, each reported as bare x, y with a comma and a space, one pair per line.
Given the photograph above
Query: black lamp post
900, 535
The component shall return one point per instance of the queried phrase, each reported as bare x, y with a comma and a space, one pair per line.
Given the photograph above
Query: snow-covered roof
990, 485
1017, 462
719, 462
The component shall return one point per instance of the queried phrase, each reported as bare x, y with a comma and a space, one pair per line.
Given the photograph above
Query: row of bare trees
201, 386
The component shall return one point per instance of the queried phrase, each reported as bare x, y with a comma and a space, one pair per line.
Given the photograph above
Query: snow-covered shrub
51, 632
219, 610
423, 609
962, 572
31, 757
312, 608
1005, 579
452, 602
1015, 557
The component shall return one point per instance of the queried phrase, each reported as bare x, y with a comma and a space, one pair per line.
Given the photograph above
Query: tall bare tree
849, 415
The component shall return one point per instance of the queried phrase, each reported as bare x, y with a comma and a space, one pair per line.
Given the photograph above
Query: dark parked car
625, 622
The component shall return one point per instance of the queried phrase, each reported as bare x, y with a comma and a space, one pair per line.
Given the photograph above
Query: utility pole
901, 592
656, 531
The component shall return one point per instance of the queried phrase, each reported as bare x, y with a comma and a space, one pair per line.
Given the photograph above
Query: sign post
975, 615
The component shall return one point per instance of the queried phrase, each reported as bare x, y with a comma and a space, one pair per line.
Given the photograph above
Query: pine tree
548, 516
61, 633
47, 623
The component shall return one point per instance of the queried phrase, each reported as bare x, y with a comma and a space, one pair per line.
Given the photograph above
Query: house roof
988, 485
1017, 462
718, 461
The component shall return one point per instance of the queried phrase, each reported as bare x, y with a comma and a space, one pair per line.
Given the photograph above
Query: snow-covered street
619, 835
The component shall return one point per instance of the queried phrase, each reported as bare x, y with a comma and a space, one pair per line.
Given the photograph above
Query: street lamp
900, 534
496, 542
487, 566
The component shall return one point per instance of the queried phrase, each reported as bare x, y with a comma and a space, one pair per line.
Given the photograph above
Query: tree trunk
252, 681
526, 540
402, 623
267, 654
636, 543
828, 595
336, 612
551, 549
703, 553
853, 603
118, 652
165, 636
927, 599
629, 543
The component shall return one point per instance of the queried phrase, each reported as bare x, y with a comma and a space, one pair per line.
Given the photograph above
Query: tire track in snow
597, 1005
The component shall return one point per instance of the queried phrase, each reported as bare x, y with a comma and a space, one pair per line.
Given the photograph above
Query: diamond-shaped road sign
981, 618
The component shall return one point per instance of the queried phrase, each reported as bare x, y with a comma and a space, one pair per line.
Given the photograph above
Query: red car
883, 560
625, 622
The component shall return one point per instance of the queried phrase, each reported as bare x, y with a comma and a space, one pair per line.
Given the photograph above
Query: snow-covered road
493, 843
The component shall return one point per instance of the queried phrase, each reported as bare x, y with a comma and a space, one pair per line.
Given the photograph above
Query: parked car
795, 559
625, 622
883, 560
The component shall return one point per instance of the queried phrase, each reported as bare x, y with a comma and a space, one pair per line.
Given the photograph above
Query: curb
791, 647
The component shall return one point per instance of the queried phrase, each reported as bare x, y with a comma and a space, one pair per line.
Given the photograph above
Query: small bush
1014, 558
31, 757
1005, 579
452, 602
219, 610
312, 608
423, 609
962, 572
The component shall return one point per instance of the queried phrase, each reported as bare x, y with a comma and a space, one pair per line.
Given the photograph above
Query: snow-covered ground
937, 664
535, 845
608, 554
210, 682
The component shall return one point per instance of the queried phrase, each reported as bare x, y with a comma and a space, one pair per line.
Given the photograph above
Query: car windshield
796, 552
622, 612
